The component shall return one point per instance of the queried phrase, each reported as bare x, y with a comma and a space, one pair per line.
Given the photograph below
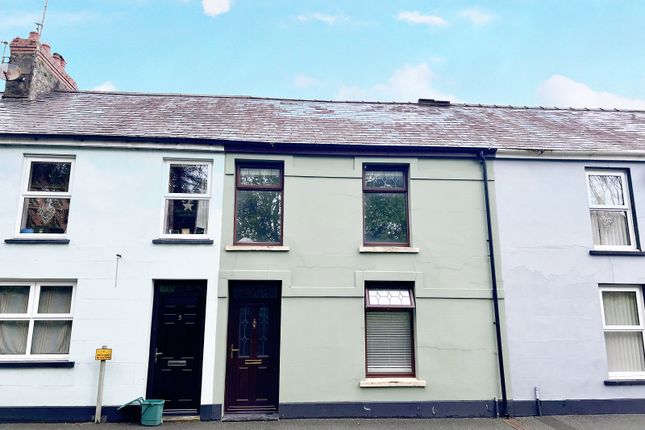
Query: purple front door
253, 348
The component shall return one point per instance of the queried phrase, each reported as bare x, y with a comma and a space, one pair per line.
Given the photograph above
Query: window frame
167, 196
627, 207
409, 309
405, 168
26, 194
32, 315
622, 328
270, 164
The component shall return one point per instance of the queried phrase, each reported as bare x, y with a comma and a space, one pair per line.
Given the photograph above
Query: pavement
564, 422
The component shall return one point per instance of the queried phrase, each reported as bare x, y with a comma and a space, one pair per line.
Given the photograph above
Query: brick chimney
42, 72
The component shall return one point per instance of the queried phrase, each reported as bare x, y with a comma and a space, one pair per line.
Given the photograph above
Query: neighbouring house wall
116, 207
322, 342
553, 310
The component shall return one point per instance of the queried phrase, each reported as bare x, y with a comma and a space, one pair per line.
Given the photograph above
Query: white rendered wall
553, 310
116, 207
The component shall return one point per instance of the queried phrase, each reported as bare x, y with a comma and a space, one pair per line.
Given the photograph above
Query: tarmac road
569, 422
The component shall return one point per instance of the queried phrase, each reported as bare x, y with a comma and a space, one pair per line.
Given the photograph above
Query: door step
250, 417
173, 418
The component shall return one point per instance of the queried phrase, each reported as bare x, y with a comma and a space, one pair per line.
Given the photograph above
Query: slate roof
249, 119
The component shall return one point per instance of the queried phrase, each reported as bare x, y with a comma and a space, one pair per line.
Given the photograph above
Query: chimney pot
34, 35
59, 59
45, 49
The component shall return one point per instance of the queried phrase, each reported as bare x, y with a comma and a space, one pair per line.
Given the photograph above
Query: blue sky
522, 52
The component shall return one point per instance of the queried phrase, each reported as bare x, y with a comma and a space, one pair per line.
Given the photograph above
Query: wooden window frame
241, 187
168, 196
410, 309
26, 194
623, 329
628, 207
404, 190
32, 316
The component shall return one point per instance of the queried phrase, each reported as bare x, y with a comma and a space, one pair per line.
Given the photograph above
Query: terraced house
294, 258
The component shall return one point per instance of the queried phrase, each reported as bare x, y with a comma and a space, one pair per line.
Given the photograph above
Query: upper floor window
46, 196
186, 197
612, 219
35, 320
385, 205
258, 203
624, 327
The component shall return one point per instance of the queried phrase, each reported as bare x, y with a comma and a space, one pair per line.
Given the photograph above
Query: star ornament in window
188, 205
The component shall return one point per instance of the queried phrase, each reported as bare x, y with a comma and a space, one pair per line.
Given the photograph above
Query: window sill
271, 248
391, 382
388, 249
36, 364
634, 253
625, 382
34, 241
182, 241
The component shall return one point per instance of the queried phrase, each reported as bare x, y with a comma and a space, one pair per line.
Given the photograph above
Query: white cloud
407, 83
419, 18
477, 16
323, 17
562, 91
105, 86
216, 7
304, 81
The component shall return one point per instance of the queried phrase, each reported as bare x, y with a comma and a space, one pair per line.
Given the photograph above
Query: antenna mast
40, 25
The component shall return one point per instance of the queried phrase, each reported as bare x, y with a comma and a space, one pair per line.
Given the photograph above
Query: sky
565, 53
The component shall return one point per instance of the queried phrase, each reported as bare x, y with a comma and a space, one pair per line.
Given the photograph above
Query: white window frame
32, 315
627, 199
625, 328
25, 193
184, 196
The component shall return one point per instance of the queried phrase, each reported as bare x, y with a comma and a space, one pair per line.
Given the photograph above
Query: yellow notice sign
104, 354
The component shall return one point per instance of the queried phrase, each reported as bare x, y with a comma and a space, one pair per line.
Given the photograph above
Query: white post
99, 393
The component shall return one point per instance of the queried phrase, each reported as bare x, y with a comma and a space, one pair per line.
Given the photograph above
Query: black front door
177, 344
253, 348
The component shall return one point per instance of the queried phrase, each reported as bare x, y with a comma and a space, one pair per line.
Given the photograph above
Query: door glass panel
244, 331
263, 331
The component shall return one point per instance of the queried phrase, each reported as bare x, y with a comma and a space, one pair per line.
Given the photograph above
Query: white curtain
51, 337
13, 337
610, 228
55, 300
624, 348
14, 300
202, 216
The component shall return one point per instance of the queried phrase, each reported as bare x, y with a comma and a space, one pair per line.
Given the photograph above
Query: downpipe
493, 273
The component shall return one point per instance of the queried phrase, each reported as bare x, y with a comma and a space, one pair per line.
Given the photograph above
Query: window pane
259, 216
384, 179
186, 216
385, 218
14, 300
606, 190
244, 332
188, 179
389, 297
389, 342
620, 307
260, 176
51, 337
625, 351
610, 228
42, 215
263, 332
13, 337
49, 176
55, 300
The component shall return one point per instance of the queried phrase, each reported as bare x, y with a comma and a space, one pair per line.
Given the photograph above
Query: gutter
493, 274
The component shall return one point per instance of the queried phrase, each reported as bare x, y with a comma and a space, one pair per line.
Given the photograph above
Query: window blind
389, 342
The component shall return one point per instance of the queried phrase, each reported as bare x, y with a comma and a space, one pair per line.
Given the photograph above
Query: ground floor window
389, 333
35, 319
624, 330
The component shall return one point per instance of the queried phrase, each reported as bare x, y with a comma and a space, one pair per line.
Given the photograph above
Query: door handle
234, 350
157, 354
